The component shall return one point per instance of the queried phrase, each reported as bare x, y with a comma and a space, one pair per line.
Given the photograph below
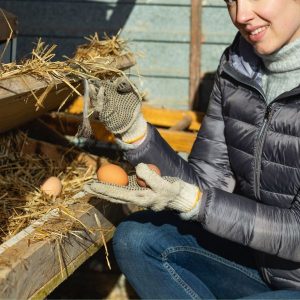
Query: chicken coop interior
59, 247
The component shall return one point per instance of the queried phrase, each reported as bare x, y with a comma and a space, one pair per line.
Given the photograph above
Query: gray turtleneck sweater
281, 71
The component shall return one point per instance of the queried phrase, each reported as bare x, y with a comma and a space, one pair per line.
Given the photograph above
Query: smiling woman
224, 224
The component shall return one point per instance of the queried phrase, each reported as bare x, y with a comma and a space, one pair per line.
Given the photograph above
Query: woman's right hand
118, 106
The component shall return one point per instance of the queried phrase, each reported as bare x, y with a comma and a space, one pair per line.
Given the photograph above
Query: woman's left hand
161, 193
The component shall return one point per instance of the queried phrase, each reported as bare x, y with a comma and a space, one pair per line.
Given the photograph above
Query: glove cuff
137, 130
187, 199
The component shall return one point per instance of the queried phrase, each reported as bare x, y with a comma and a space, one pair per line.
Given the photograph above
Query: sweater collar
285, 59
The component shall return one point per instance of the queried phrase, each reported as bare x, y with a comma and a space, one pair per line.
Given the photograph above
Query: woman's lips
257, 34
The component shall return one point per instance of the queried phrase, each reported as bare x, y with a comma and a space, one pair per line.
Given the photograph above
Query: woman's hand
162, 193
118, 106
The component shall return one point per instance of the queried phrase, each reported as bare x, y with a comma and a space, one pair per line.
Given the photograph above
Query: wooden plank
217, 27
180, 141
164, 91
34, 269
56, 280
18, 105
113, 2
68, 125
217, 3
157, 116
195, 51
17, 95
169, 117
100, 17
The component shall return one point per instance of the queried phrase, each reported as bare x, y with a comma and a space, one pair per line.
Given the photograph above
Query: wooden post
195, 51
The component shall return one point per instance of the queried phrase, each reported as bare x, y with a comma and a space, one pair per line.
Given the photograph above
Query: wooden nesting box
31, 270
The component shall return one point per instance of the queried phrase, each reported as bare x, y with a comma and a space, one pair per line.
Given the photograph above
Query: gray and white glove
163, 192
119, 108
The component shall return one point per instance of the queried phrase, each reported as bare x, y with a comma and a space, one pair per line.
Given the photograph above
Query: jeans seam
180, 281
171, 250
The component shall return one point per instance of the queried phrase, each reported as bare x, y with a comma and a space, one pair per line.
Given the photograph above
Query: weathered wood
30, 269
34, 269
165, 117
195, 52
18, 104
179, 140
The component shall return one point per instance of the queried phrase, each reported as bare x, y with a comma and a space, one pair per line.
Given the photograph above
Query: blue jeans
164, 257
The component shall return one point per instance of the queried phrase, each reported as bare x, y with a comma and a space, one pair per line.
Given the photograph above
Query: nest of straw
22, 201
96, 49
92, 60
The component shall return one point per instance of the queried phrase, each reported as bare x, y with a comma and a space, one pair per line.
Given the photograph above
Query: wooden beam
195, 51
165, 117
18, 103
68, 124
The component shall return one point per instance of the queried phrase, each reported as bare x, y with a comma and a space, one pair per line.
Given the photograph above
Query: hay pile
22, 201
97, 49
95, 59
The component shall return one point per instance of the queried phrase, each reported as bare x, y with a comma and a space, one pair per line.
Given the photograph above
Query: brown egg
52, 186
141, 182
111, 173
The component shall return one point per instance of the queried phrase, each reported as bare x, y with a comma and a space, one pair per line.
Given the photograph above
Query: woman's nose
244, 12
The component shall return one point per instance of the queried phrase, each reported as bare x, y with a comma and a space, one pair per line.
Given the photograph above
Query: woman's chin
264, 49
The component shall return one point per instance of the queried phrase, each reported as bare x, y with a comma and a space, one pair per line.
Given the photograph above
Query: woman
239, 189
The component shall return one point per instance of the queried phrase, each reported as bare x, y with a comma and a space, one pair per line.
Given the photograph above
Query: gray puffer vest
244, 141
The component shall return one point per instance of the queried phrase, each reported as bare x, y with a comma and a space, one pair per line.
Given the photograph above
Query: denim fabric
164, 257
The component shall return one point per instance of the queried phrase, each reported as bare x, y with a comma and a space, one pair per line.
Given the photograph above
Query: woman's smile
256, 35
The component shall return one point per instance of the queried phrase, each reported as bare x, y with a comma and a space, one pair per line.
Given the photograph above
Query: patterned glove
119, 108
163, 192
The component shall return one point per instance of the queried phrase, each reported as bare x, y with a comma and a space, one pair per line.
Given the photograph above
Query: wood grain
33, 270
180, 141
18, 95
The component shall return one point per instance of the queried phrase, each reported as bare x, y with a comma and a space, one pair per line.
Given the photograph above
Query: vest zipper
259, 147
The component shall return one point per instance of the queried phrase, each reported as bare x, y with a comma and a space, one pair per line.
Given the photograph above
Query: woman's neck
285, 59
281, 70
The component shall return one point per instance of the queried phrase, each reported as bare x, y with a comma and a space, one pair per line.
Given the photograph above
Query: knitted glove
119, 108
163, 192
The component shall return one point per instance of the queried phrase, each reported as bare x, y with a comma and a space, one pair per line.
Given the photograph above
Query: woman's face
266, 24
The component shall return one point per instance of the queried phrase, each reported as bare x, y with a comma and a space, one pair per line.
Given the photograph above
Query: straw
92, 60
21, 200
